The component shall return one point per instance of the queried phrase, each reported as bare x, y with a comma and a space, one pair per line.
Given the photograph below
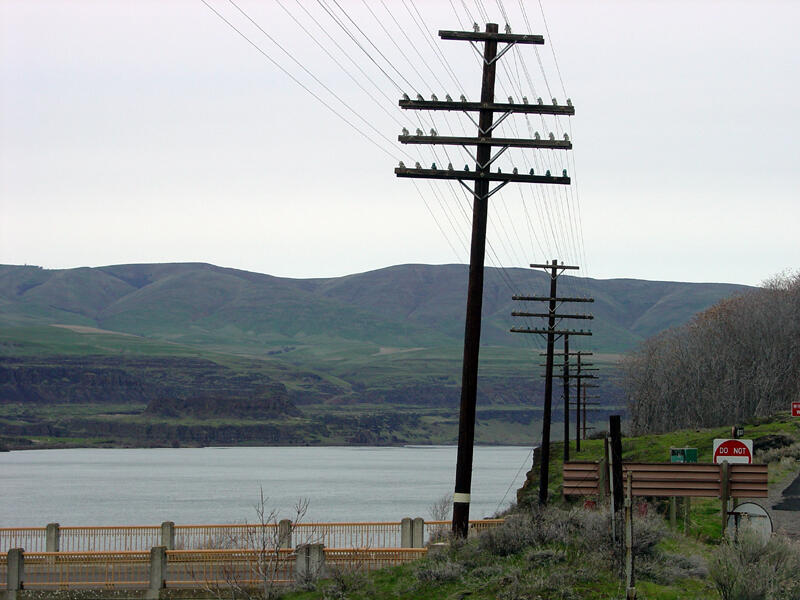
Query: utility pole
566, 397
482, 177
579, 376
554, 270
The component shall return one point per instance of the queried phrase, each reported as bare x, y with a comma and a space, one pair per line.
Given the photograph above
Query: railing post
158, 569
285, 533
301, 562
316, 560
52, 538
309, 562
15, 575
406, 533
168, 535
418, 533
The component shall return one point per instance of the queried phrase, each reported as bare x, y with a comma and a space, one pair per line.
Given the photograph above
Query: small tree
256, 574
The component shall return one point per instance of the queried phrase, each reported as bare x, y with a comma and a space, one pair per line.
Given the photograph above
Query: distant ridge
401, 306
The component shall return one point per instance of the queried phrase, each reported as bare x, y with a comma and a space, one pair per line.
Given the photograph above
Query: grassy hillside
382, 340
403, 306
566, 550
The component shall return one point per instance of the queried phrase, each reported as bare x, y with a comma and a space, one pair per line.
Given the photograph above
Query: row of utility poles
487, 149
551, 333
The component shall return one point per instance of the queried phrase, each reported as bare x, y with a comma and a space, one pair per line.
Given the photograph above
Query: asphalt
790, 499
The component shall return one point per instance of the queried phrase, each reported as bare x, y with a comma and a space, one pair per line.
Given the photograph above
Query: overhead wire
302, 85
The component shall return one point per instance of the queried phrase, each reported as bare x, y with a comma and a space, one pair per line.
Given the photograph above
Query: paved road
784, 508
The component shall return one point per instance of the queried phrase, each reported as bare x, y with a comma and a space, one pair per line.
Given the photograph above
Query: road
784, 507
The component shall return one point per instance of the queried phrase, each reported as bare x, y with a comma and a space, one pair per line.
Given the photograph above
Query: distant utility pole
579, 376
554, 270
482, 177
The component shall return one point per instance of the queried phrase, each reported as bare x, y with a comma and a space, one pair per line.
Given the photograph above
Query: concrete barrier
52, 538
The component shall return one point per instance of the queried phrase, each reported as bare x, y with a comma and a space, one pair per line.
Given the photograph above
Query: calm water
221, 485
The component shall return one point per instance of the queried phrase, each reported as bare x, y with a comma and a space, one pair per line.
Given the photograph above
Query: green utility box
683, 455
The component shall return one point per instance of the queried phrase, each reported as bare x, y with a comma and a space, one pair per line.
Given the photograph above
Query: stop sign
796, 409
733, 451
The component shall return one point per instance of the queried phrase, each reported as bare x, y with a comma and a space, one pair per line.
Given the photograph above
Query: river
222, 485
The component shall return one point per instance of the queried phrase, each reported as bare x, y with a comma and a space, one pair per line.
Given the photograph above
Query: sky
152, 131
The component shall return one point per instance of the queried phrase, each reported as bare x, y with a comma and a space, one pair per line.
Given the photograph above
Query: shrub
439, 571
517, 533
778, 454
749, 569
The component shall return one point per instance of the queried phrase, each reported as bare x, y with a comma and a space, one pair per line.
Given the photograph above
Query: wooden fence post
673, 512
630, 577
687, 509
725, 481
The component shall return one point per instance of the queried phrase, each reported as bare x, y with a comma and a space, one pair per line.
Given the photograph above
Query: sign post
733, 451
796, 409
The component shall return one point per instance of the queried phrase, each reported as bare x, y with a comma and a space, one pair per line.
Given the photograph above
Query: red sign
796, 409
733, 451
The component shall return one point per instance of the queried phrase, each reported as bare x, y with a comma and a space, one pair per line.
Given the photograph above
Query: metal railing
213, 569
198, 569
109, 539
370, 559
349, 535
70, 570
439, 529
204, 537
32, 539
377, 534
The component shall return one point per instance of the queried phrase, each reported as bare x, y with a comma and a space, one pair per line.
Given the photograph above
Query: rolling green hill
403, 306
373, 357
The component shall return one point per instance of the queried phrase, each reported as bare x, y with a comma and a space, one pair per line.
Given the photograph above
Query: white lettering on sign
733, 451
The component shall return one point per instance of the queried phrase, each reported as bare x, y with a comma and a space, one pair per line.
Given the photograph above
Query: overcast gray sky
152, 131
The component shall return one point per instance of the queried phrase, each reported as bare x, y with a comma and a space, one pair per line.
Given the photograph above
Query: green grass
578, 574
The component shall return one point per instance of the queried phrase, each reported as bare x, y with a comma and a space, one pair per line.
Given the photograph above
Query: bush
517, 533
749, 569
667, 567
439, 570
778, 454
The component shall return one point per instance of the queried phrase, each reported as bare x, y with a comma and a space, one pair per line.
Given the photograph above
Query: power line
301, 84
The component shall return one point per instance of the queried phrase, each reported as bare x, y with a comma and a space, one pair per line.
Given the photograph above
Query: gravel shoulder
783, 505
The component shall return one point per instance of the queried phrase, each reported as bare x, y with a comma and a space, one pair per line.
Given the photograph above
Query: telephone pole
554, 270
481, 192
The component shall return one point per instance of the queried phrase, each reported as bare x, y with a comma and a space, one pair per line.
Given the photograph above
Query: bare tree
738, 359
256, 574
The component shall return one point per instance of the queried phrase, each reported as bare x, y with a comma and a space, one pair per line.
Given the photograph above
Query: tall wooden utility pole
554, 270
566, 397
482, 177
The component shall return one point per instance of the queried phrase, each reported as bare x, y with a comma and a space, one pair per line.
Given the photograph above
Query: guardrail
406, 533
673, 479
211, 570
72, 570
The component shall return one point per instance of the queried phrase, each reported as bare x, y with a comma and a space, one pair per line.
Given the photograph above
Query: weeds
749, 569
